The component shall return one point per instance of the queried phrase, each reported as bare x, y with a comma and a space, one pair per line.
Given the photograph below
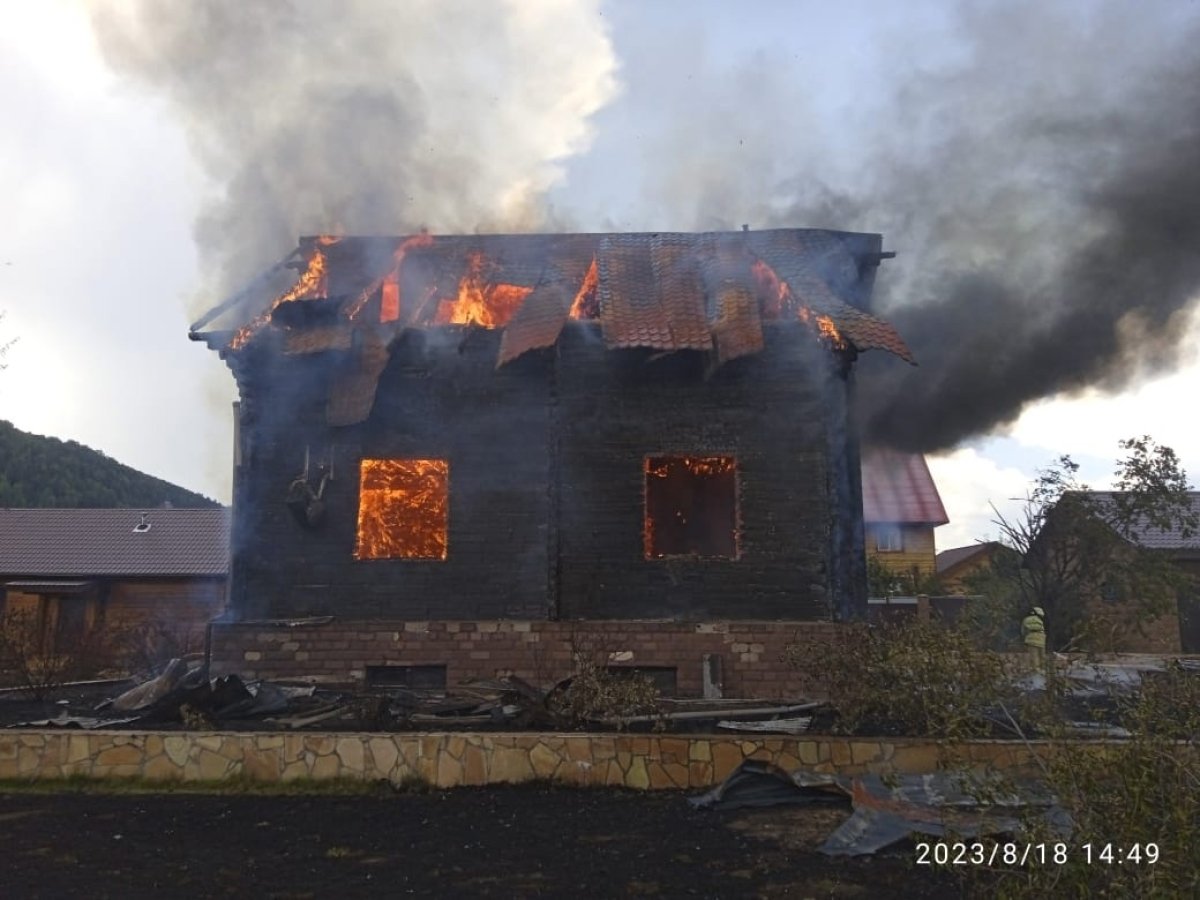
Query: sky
137, 196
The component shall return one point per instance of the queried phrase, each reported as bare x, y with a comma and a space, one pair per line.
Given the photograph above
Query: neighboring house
76, 572
1115, 613
958, 564
901, 508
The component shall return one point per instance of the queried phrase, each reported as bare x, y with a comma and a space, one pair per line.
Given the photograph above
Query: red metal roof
897, 488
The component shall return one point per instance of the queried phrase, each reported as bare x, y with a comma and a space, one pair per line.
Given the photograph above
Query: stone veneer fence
454, 759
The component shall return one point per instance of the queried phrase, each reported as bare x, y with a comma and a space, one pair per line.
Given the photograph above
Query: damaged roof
130, 542
898, 489
666, 291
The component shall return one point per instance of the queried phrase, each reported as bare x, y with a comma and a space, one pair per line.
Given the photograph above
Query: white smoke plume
365, 116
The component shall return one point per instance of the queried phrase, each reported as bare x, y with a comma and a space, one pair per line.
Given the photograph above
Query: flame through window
691, 507
402, 509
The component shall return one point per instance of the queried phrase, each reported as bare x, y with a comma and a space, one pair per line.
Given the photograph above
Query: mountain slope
38, 471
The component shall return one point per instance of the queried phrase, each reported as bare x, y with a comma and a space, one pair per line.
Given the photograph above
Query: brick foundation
751, 653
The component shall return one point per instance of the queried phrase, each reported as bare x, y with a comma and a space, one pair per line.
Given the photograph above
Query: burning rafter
389, 283
312, 283
587, 301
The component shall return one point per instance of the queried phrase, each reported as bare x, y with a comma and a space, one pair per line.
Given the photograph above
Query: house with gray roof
1177, 540
76, 572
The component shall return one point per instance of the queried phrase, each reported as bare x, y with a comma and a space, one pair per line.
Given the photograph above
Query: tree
1078, 545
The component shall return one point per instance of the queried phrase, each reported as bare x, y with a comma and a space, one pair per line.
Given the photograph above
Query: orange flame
402, 509
480, 302
587, 301
778, 302
313, 282
660, 467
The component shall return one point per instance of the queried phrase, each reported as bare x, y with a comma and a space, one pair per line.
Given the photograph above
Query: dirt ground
514, 841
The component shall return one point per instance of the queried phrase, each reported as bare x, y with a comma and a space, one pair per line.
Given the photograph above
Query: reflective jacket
1034, 630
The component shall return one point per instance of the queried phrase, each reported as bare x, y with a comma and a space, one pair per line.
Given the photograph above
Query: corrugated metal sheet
630, 312
680, 290
61, 543
738, 329
897, 488
537, 323
813, 263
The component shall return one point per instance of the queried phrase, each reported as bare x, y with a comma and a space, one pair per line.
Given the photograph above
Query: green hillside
38, 471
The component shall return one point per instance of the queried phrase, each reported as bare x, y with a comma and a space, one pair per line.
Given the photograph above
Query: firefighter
1033, 629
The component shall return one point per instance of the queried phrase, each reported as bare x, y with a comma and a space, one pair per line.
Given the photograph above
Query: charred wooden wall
547, 487
769, 411
440, 400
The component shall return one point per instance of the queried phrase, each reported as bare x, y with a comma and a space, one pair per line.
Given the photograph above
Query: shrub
27, 661
1141, 790
596, 693
907, 677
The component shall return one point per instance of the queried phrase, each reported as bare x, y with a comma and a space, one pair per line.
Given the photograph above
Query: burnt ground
509, 841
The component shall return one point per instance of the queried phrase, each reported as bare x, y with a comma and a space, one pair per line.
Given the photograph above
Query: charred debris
183, 696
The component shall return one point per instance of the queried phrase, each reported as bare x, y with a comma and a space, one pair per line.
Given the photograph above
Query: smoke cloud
1040, 181
1051, 223
1037, 174
365, 117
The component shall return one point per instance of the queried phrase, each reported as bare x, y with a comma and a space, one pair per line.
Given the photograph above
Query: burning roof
664, 291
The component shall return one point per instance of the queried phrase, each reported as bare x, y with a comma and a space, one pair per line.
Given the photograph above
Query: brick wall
538, 651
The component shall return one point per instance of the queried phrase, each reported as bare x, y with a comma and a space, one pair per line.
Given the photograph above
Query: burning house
457, 455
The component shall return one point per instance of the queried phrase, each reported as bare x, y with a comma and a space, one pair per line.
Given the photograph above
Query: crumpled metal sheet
660, 291
935, 805
537, 322
816, 264
888, 809
738, 328
352, 391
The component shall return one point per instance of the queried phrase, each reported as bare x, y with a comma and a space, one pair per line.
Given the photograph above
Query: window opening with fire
691, 507
402, 509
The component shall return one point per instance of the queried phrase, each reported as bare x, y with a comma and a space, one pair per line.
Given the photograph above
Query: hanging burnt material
306, 501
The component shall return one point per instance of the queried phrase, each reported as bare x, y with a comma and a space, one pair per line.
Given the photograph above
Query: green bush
1143, 790
908, 677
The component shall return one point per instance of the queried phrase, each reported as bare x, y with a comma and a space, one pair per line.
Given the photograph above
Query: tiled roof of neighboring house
1157, 538
61, 543
897, 488
948, 559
